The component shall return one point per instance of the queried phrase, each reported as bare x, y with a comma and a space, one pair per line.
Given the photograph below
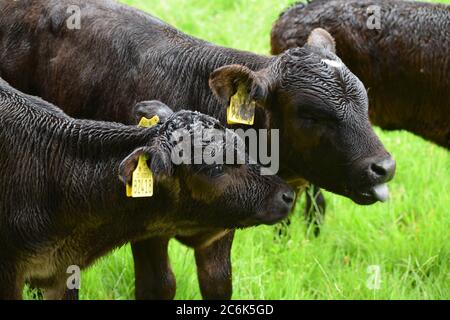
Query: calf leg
55, 288
214, 266
71, 294
11, 285
56, 292
315, 208
154, 278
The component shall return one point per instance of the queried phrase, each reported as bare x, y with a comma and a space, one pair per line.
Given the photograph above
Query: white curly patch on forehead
333, 63
197, 126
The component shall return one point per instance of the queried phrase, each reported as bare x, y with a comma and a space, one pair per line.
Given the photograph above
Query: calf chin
276, 208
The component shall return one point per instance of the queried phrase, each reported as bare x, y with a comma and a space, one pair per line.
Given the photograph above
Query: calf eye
308, 120
305, 114
214, 171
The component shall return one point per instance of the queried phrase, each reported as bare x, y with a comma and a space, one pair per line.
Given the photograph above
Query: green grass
408, 237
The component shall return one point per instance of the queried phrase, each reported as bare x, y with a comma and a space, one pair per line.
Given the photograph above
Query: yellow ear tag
241, 110
148, 123
129, 191
142, 178
142, 185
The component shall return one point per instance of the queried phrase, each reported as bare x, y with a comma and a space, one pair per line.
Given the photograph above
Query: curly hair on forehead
191, 120
201, 130
300, 65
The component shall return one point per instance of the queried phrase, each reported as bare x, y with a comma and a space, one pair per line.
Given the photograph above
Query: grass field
408, 237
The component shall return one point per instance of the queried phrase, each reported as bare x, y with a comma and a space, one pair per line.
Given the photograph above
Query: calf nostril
288, 197
378, 169
384, 168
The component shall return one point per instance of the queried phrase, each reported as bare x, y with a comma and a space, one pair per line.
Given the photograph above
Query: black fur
121, 56
63, 194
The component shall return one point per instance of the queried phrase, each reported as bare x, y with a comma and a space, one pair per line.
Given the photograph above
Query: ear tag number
142, 185
241, 110
142, 178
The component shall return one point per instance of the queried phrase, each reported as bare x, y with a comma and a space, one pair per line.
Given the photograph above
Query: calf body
405, 63
121, 56
63, 201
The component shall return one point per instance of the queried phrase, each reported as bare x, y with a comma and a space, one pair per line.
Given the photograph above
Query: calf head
207, 193
321, 109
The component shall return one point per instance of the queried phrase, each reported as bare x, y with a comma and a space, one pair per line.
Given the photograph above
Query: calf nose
383, 170
277, 206
288, 197
287, 200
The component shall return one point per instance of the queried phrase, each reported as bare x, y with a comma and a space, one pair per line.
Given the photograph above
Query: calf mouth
271, 218
266, 218
370, 195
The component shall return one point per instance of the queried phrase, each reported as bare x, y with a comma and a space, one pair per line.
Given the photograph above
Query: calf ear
158, 161
320, 38
149, 109
224, 82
